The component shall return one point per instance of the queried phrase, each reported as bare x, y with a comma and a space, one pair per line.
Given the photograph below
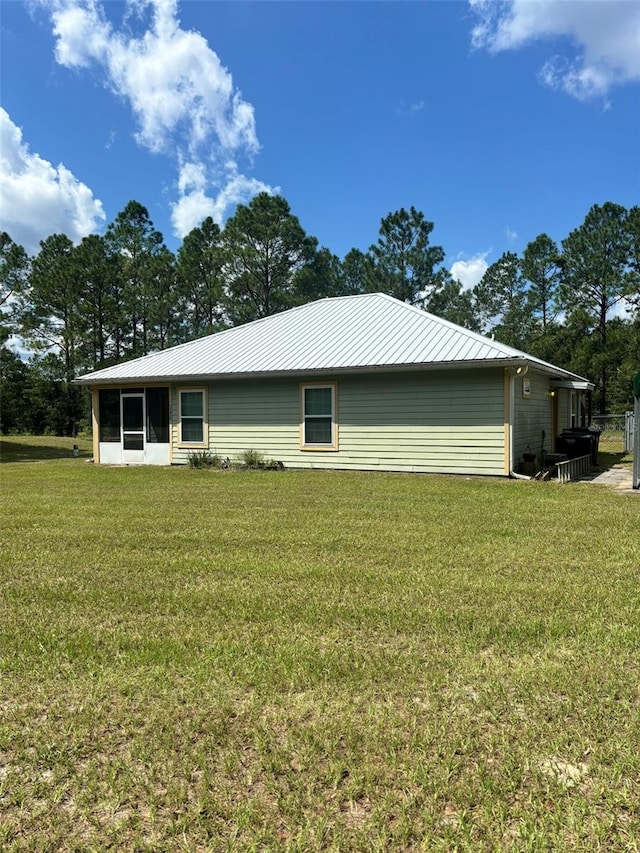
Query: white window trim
333, 446
205, 426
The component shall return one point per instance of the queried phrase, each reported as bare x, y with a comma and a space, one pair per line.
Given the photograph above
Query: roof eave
515, 361
573, 384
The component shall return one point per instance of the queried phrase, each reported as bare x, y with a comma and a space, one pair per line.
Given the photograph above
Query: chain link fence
616, 432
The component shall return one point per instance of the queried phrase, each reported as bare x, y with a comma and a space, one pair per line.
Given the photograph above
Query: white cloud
194, 204
623, 309
16, 345
510, 234
408, 109
469, 272
605, 35
38, 199
183, 98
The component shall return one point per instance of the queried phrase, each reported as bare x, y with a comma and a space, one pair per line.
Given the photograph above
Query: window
109, 414
573, 409
192, 419
319, 428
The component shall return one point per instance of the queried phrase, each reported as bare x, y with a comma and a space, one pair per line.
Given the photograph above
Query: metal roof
359, 333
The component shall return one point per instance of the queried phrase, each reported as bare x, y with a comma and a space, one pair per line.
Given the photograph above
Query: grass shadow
41, 448
607, 459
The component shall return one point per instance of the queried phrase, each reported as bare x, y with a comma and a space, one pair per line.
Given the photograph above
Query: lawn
39, 448
302, 661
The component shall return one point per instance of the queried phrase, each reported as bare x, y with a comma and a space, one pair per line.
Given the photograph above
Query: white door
133, 428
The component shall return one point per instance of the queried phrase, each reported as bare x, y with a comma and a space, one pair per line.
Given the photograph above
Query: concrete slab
619, 477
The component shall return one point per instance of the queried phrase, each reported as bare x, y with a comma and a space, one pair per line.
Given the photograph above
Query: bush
247, 460
254, 459
203, 459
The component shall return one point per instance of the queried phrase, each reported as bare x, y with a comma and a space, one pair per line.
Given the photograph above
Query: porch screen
158, 415
109, 414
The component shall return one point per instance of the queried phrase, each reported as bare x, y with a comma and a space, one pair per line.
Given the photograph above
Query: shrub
252, 458
203, 459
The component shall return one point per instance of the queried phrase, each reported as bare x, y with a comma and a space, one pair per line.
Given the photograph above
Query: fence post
635, 479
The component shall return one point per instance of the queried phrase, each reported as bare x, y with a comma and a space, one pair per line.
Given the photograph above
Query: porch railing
571, 469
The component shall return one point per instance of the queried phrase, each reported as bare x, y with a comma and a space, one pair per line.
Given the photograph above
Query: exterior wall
532, 415
448, 422
109, 453
564, 409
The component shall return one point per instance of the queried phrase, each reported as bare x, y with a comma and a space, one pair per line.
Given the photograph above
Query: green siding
564, 409
448, 422
532, 415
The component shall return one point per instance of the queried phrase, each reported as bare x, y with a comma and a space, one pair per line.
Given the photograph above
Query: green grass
40, 448
299, 661
609, 460
612, 441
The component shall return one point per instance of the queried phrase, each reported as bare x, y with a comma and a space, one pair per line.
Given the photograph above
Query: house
355, 382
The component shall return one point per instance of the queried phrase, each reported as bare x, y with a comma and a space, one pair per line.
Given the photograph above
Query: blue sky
498, 120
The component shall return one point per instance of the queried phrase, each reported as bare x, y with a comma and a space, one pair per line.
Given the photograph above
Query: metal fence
629, 432
616, 432
635, 474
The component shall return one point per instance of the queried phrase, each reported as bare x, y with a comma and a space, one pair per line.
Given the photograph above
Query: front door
133, 428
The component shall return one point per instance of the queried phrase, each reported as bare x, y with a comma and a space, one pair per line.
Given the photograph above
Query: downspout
512, 415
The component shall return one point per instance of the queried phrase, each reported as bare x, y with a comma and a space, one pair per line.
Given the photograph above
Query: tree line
124, 294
